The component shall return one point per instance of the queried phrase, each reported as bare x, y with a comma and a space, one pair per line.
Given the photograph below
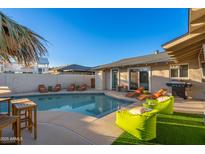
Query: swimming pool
96, 105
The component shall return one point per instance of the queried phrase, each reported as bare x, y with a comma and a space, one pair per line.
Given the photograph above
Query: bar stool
24, 108
6, 121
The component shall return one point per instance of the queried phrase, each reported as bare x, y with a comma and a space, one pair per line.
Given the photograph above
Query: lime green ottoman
142, 126
164, 107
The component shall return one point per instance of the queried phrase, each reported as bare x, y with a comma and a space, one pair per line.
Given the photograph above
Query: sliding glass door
144, 79
138, 77
134, 79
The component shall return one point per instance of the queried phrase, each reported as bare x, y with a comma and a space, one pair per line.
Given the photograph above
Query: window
174, 72
203, 68
179, 71
183, 71
40, 70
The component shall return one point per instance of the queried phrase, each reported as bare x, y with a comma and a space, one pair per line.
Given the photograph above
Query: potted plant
50, 88
77, 87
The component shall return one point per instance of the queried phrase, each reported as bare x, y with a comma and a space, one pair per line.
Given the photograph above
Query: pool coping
105, 92
55, 93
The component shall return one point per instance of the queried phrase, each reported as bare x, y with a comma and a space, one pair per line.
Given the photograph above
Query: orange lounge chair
42, 88
57, 88
71, 87
155, 95
83, 87
136, 92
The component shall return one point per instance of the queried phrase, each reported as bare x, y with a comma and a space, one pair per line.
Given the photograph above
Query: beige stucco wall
22, 83
103, 78
99, 80
195, 77
107, 80
159, 77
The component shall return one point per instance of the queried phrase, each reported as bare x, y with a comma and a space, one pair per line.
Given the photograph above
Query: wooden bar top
4, 99
4, 91
23, 103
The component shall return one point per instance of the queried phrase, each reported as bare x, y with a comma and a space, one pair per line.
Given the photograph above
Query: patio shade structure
189, 45
19, 43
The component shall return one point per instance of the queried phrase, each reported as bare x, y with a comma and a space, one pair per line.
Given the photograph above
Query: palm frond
19, 43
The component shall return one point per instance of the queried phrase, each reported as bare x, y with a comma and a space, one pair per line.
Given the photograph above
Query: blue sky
93, 37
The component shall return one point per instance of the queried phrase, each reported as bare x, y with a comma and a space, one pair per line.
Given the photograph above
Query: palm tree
19, 43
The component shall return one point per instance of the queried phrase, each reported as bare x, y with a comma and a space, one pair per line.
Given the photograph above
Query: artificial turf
176, 129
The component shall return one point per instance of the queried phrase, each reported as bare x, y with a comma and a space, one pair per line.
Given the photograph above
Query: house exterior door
114, 79
144, 79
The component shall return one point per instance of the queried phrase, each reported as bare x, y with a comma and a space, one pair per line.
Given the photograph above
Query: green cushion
165, 107
142, 126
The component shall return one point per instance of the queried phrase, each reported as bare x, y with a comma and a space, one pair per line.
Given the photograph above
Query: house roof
146, 59
43, 61
74, 67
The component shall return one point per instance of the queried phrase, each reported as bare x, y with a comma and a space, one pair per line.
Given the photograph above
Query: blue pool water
96, 105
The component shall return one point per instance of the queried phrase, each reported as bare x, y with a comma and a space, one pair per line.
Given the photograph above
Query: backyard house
40, 67
134, 72
182, 63
72, 69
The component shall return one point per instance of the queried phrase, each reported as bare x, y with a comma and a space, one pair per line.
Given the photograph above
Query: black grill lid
179, 83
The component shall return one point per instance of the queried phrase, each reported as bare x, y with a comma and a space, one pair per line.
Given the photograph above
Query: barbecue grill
179, 88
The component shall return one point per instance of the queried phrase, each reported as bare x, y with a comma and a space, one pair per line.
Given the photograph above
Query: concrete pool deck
71, 128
